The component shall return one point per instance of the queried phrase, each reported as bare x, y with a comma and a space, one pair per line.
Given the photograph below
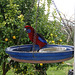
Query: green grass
10, 72
62, 70
55, 70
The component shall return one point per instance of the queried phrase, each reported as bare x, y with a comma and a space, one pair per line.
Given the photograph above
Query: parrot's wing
41, 38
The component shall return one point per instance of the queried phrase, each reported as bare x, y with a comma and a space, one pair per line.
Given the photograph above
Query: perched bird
39, 39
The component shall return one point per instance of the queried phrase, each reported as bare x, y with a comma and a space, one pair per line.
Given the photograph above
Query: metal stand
74, 50
70, 72
74, 40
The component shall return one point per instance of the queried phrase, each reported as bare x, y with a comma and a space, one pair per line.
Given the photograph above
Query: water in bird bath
53, 49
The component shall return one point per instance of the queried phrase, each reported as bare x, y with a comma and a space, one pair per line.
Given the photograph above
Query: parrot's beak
24, 29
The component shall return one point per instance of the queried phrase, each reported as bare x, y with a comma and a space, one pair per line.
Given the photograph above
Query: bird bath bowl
48, 54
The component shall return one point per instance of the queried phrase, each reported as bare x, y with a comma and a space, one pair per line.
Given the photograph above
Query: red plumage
39, 40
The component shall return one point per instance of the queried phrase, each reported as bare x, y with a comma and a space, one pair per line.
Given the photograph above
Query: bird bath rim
64, 48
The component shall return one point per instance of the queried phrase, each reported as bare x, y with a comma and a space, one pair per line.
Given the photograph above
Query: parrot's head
28, 28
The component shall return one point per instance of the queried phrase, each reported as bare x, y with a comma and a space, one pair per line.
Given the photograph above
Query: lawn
55, 70
62, 70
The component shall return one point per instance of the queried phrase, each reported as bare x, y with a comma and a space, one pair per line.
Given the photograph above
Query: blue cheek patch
28, 30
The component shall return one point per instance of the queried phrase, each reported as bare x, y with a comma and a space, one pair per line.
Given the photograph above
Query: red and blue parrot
39, 39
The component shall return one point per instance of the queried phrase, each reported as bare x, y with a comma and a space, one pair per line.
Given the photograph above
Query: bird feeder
49, 54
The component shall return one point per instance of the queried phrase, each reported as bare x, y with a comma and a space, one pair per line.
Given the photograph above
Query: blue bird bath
49, 54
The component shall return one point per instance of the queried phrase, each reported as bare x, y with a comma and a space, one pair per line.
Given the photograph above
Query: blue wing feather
41, 38
44, 41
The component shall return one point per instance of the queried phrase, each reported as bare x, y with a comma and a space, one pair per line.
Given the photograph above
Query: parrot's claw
38, 50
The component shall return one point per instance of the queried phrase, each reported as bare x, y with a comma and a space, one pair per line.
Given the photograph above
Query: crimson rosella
39, 39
